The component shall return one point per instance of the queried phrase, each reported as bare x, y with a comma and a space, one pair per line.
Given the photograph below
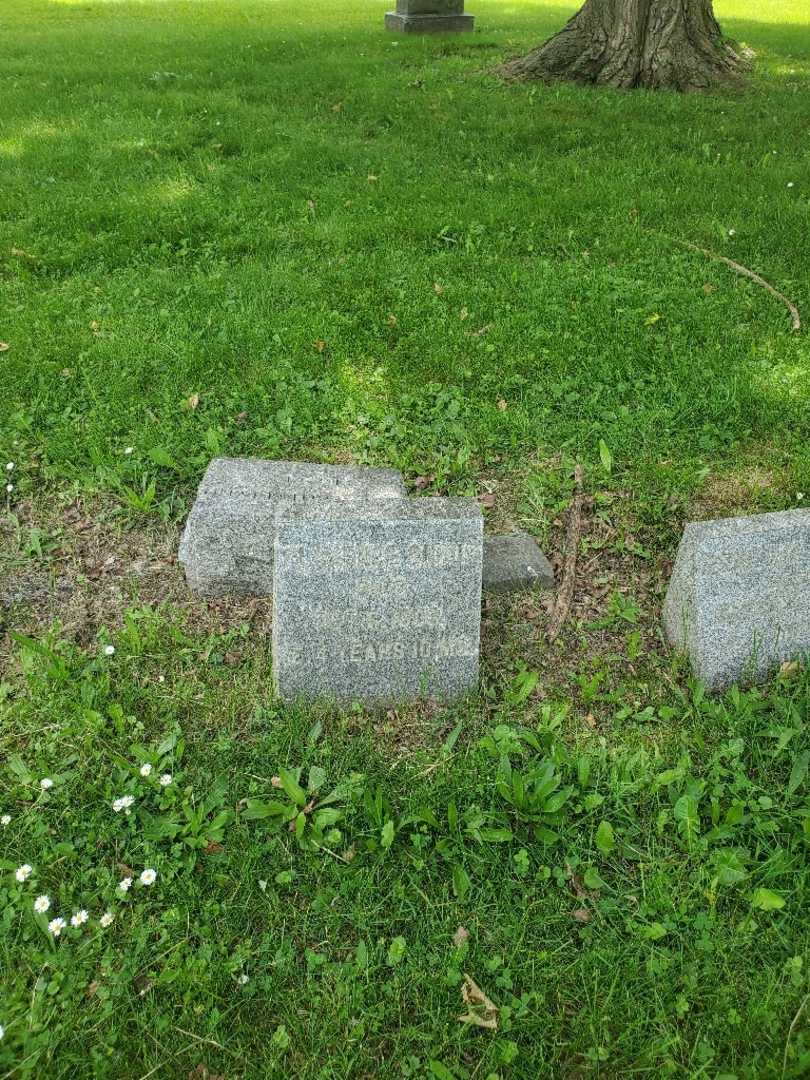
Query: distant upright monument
429, 17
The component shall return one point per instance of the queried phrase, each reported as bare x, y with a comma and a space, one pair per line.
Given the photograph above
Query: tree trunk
659, 44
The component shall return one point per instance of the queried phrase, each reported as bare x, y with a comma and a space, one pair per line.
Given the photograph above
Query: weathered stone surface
227, 544
739, 600
429, 17
515, 562
378, 602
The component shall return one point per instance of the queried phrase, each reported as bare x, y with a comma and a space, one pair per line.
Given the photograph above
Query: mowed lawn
270, 228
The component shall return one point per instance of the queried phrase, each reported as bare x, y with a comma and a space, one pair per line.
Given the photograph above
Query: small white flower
165, 780
125, 884
24, 872
148, 877
9, 466
41, 904
146, 769
46, 783
123, 803
128, 450
732, 232
79, 918
9, 488
56, 926
109, 650
5, 819
106, 919
2, 1031
243, 978
790, 183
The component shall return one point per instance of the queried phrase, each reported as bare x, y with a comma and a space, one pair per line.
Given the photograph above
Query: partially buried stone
515, 562
378, 602
227, 544
739, 600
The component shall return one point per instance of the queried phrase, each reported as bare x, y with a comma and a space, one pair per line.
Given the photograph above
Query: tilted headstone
378, 602
227, 544
429, 17
514, 562
739, 600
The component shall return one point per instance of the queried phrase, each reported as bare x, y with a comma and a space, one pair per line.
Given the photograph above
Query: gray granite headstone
378, 602
227, 544
429, 17
739, 600
514, 562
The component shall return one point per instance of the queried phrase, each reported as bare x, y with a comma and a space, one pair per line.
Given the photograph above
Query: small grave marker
378, 601
739, 600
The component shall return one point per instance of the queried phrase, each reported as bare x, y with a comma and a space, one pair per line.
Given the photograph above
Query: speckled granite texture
739, 600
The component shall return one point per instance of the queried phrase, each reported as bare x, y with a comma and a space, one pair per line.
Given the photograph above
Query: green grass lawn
268, 227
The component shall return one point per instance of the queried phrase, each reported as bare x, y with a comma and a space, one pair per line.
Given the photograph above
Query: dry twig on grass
565, 593
738, 268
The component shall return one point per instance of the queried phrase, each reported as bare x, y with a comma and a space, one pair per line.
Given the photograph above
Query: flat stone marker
515, 562
227, 544
378, 602
739, 600
429, 17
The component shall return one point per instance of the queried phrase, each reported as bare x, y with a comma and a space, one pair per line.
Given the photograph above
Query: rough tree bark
659, 44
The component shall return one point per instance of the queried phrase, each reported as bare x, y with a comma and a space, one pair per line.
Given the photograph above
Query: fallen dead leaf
502, 405
213, 848
487, 500
193, 401
481, 1011
391, 320
421, 482
581, 915
437, 288
372, 179
4, 346
461, 935
708, 288
276, 781
789, 668
240, 418
319, 345
337, 106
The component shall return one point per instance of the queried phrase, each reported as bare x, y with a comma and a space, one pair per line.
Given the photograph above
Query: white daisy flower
24, 872
56, 926
165, 780
41, 904
109, 650
146, 769
5, 819
790, 184
243, 978
106, 919
9, 488
79, 918
148, 877
123, 803
9, 466
128, 450
125, 884
46, 783
732, 232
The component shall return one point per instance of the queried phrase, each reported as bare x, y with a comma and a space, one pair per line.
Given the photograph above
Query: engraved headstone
429, 17
227, 544
514, 562
378, 602
739, 600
